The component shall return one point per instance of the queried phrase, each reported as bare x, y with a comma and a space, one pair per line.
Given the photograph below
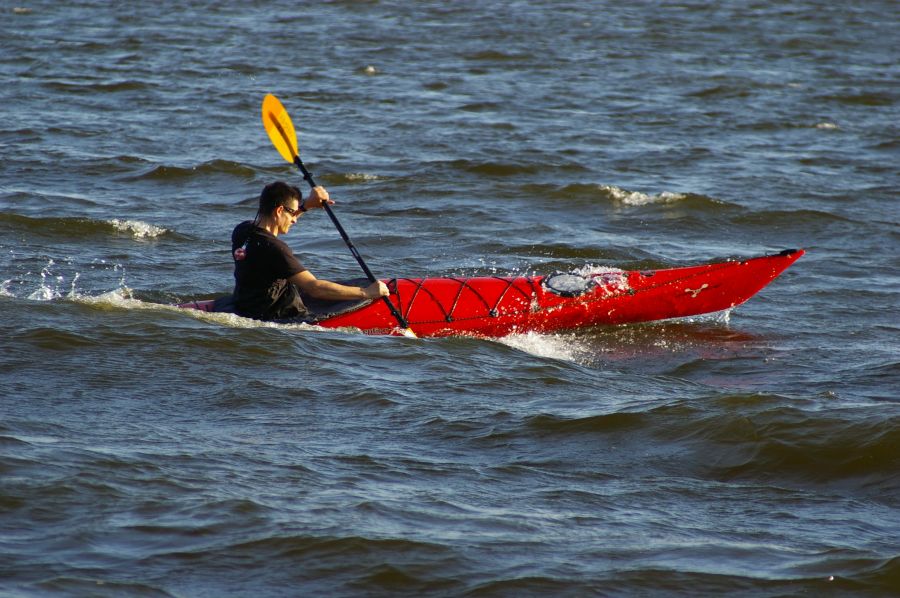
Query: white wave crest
361, 176
137, 229
636, 198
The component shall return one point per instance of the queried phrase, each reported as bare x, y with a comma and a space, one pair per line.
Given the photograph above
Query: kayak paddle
281, 131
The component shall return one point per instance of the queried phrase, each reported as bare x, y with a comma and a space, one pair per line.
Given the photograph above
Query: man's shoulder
242, 232
244, 228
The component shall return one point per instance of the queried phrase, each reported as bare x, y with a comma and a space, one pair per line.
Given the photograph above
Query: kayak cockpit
316, 309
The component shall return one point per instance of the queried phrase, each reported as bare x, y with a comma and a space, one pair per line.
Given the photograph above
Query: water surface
149, 451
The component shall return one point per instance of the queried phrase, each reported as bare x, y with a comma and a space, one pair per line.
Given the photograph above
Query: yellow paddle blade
280, 128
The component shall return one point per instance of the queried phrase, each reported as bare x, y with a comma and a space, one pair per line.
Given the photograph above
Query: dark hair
276, 194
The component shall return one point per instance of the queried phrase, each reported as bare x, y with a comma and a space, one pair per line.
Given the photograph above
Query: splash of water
47, 290
563, 347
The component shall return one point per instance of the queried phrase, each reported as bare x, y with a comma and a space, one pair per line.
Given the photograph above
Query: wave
753, 437
636, 198
626, 197
69, 87
480, 107
768, 125
610, 422
763, 438
543, 585
137, 229
490, 168
796, 218
104, 166
690, 204
873, 99
53, 339
890, 144
174, 173
347, 559
493, 169
562, 255
78, 586
80, 228
22, 137
794, 444
884, 574
710, 211
498, 56
352, 177
723, 91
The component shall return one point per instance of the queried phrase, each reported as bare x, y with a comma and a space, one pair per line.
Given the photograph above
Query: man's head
279, 206
277, 194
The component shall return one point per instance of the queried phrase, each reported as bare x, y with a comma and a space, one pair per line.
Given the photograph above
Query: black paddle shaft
309, 179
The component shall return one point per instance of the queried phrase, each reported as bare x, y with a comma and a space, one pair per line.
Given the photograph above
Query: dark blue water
149, 451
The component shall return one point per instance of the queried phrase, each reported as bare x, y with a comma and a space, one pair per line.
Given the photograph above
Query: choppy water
151, 452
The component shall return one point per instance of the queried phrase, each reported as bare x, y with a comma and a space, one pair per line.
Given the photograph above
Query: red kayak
496, 306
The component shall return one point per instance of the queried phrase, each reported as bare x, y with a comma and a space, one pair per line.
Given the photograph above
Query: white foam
5, 288
236, 321
361, 176
122, 298
137, 229
717, 317
636, 198
554, 346
43, 293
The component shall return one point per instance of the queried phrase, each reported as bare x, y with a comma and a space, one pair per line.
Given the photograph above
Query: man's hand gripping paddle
281, 131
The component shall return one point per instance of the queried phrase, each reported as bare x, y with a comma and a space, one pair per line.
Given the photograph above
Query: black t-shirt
261, 271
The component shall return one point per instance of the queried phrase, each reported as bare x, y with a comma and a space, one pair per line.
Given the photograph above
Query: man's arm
324, 289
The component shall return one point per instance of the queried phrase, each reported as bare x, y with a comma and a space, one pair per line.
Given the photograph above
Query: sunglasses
294, 213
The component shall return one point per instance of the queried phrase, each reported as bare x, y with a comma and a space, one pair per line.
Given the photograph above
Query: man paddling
269, 280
